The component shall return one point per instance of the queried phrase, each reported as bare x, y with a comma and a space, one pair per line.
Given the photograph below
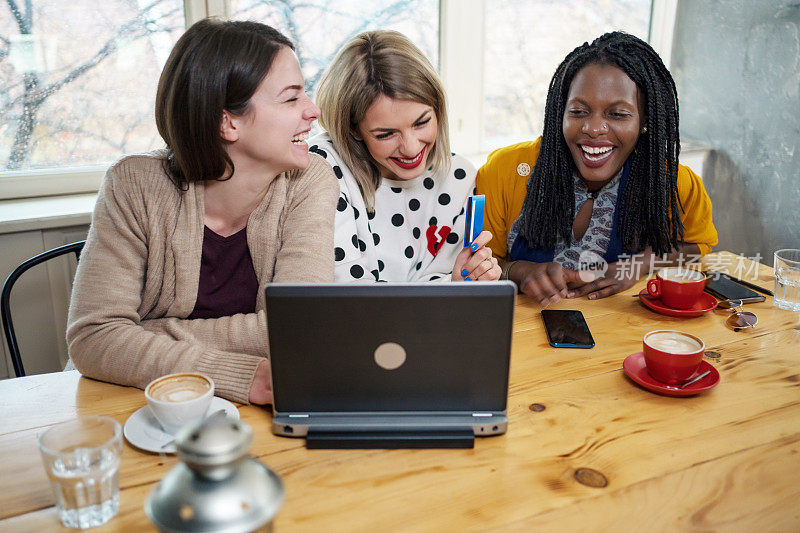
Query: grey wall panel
737, 67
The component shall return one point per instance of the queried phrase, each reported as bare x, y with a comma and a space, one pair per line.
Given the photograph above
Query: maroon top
228, 283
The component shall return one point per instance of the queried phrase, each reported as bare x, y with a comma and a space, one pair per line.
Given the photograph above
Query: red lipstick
414, 162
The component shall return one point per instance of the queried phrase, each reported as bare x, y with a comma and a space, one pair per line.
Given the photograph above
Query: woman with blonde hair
401, 209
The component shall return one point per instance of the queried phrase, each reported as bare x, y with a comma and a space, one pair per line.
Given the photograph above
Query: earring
644, 129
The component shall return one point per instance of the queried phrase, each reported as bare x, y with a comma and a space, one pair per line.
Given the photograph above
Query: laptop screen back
390, 347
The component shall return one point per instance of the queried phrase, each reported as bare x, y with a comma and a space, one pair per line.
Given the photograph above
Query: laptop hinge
481, 414
298, 416
391, 439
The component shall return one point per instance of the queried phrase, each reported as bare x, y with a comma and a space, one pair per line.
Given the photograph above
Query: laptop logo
390, 356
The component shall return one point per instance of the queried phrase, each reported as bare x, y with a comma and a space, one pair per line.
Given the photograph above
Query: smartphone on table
725, 288
567, 329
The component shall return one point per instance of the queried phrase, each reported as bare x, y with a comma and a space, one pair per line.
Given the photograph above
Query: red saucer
635, 369
705, 304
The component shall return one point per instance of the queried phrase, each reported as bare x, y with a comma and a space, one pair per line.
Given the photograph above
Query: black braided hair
650, 205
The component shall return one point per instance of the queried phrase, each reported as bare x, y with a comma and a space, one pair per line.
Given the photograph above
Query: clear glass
319, 28
79, 79
787, 279
81, 458
525, 41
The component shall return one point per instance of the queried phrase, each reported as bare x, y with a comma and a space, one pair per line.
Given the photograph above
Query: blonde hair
377, 63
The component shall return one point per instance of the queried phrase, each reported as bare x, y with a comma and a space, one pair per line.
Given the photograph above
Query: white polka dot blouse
416, 230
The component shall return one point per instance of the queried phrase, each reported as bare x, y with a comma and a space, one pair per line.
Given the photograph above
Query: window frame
461, 40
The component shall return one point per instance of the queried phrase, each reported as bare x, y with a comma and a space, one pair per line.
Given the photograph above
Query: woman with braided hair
602, 185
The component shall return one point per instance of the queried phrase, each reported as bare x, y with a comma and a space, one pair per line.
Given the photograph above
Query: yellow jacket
504, 177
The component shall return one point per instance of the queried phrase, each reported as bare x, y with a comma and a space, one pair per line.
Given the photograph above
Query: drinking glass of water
81, 458
787, 279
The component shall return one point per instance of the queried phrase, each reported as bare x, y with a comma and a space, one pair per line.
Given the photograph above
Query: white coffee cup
178, 399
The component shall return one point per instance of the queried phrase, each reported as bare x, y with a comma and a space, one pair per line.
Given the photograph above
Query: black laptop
405, 365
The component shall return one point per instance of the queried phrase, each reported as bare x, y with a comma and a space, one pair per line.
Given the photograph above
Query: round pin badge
523, 169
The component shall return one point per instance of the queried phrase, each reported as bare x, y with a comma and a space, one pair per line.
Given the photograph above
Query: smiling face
602, 122
272, 133
399, 135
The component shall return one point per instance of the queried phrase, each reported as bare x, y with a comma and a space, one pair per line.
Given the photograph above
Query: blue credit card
474, 224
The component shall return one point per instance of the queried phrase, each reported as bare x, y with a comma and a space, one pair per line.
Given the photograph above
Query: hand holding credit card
474, 224
475, 261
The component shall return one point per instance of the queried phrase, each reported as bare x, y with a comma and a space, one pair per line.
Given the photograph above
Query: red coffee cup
678, 288
672, 357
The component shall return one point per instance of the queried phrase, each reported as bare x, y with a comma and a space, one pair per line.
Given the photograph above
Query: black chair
5, 297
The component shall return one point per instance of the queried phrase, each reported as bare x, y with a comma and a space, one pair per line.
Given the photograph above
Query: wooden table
727, 459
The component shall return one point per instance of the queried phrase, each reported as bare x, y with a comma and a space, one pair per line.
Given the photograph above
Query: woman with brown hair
400, 214
182, 239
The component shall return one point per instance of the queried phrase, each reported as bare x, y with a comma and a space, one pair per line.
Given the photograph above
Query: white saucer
143, 430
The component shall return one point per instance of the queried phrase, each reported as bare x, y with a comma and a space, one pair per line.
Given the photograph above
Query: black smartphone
567, 329
725, 288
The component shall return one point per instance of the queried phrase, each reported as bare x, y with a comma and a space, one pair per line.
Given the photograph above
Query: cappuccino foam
181, 388
671, 342
681, 276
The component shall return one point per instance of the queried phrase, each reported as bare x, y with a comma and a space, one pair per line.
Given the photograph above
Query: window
79, 79
522, 53
318, 28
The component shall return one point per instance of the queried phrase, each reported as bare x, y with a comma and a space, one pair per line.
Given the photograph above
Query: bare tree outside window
320, 27
77, 79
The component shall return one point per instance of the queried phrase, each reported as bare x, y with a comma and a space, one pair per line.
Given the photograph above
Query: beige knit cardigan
138, 275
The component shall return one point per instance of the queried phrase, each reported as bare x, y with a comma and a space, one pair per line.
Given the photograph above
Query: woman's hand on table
619, 277
261, 388
475, 262
547, 283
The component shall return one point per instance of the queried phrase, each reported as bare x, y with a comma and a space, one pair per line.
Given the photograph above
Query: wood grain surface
586, 449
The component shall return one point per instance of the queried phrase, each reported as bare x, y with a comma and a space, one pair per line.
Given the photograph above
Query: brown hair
371, 64
215, 66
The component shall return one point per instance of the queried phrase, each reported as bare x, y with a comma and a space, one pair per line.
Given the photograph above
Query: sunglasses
739, 319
